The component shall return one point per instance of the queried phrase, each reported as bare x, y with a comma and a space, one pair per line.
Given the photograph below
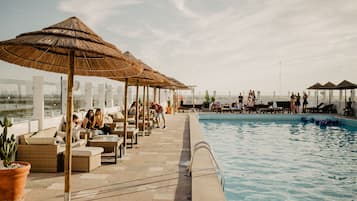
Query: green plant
168, 103
207, 99
8, 146
213, 99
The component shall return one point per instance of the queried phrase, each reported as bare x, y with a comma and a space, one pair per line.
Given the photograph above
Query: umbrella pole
143, 112
159, 96
345, 98
317, 98
125, 112
155, 90
148, 104
68, 154
137, 106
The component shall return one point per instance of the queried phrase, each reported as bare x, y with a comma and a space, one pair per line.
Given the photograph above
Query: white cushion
108, 119
62, 134
41, 140
87, 151
118, 115
48, 132
79, 143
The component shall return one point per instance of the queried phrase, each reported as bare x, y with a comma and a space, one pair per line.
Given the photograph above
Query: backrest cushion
23, 138
42, 140
48, 132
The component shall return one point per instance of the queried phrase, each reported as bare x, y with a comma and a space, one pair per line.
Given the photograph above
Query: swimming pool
270, 157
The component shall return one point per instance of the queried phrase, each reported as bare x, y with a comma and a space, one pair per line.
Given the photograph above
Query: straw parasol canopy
328, 85
48, 49
346, 85
146, 77
316, 86
68, 47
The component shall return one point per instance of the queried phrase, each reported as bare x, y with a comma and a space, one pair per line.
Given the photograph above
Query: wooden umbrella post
143, 112
159, 96
68, 154
125, 112
173, 102
148, 105
137, 105
155, 90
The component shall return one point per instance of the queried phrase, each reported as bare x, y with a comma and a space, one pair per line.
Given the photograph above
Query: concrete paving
153, 170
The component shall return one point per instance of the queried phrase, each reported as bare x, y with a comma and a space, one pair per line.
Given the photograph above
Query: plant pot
13, 181
168, 110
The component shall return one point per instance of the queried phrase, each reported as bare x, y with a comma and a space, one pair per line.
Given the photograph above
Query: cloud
243, 40
95, 12
181, 6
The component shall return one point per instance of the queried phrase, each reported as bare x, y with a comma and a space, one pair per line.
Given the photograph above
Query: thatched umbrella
72, 48
329, 86
147, 77
316, 86
346, 85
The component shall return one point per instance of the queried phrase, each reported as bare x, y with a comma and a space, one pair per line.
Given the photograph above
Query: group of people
95, 120
295, 102
158, 109
92, 120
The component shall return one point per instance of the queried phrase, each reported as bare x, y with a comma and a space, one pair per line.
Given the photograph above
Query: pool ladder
204, 145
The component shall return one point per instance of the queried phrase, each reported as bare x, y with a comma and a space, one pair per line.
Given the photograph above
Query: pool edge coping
205, 182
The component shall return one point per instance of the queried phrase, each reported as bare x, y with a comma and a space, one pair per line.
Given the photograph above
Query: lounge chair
315, 109
330, 108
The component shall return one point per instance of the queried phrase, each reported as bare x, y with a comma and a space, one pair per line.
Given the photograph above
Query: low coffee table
110, 143
132, 133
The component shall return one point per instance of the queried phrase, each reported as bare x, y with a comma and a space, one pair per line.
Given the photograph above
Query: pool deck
153, 170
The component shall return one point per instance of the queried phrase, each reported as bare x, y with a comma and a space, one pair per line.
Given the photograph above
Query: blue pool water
284, 160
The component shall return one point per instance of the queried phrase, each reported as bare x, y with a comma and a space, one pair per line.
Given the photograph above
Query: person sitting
132, 109
88, 119
159, 112
348, 110
75, 122
98, 122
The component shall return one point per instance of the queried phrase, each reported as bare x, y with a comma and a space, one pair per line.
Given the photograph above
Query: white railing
204, 145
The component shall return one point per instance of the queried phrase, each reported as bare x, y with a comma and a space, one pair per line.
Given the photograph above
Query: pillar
340, 100
120, 96
109, 96
88, 96
38, 100
101, 96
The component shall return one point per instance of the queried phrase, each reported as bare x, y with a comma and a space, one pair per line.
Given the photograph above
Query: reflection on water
284, 161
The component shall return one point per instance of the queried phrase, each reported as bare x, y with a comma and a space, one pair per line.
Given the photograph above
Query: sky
223, 45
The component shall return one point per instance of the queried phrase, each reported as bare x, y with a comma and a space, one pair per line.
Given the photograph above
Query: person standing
240, 100
297, 103
304, 103
292, 103
159, 112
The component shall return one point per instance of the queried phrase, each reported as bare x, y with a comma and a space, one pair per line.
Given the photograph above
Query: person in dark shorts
240, 100
304, 103
297, 103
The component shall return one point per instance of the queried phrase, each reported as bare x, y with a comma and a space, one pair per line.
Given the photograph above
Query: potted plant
168, 108
13, 175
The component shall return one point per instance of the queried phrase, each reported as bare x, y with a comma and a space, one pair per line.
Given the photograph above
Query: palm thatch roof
149, 76
329, 85
48, 49
346, 85
316, 86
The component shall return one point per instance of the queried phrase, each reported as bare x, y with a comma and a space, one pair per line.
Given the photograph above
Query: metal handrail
206, 146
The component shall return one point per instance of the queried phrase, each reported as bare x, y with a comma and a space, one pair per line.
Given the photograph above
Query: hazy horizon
227, 46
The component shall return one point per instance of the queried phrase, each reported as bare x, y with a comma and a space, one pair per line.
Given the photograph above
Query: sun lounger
314, 109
